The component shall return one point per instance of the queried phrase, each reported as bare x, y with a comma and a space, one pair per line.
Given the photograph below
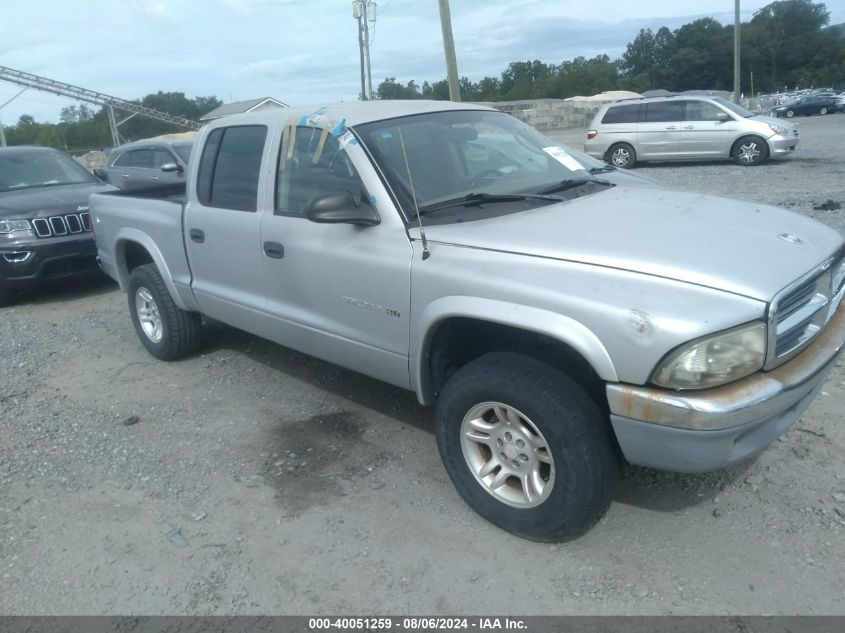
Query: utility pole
365, 11
449, 50
357, 12
736, 51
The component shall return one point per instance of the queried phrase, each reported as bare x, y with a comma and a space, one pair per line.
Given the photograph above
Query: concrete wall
551, 114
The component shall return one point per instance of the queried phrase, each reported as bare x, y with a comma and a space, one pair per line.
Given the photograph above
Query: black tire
585, 466
180, 331
790, 114
621, 155
750, 151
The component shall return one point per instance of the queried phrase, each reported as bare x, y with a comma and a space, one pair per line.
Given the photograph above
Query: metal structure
96, 98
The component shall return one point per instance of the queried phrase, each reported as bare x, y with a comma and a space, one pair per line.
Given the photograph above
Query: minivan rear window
621, 114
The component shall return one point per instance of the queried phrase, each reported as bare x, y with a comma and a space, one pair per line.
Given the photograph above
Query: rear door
223, 225
131, 169
659, 130
703, 135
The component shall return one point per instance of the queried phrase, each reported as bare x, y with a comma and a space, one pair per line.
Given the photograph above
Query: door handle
197, 235
153, 177
671, 127
274, 250
126, 175
689, 127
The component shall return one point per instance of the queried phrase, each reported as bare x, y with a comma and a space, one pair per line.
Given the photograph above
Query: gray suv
147, 164
686, 128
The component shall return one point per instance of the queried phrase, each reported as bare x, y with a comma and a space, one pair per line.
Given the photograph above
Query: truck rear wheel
167, 331
526, 447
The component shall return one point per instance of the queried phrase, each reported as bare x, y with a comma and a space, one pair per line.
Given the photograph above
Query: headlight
714, 360
10, 226
779, 129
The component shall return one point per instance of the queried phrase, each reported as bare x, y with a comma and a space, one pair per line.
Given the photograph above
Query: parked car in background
606, 171
147, 164
807, 106
44, 228
685, 127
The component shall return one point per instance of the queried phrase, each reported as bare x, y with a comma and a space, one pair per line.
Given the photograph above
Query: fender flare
552, 324
126, 235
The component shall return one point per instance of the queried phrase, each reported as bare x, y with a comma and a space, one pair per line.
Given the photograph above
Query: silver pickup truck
559, 322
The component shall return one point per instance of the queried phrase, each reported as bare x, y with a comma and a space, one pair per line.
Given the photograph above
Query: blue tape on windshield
303, 120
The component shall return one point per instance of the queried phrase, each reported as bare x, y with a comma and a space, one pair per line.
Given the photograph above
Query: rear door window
664, 111
230, 166
622, 114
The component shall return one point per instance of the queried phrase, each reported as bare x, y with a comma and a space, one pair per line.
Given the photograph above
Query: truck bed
151, 220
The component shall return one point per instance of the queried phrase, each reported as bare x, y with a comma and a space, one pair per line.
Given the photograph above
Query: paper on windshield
563, 157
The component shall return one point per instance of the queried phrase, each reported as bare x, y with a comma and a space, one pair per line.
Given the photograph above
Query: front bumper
24, 263
698, 431
782, 145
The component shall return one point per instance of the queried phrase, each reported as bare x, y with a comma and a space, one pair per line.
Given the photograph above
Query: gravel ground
250, 479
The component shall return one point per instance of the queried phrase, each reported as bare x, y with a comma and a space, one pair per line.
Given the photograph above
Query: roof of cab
347, 113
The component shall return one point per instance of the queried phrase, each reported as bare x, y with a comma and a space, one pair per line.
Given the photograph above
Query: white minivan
686, 128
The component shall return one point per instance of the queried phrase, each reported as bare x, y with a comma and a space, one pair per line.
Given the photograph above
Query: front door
337, 291
703, 133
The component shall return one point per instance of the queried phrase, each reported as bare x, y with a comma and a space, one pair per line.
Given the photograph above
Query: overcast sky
306, 51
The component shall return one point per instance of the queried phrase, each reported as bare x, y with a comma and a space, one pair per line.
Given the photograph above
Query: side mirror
170, 167
722, 117
101, 174
340, 208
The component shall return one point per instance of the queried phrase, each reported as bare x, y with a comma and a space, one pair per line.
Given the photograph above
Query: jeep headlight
7, 227
714, 360
779, 129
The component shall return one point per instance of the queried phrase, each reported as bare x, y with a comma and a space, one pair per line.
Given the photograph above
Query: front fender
551, 324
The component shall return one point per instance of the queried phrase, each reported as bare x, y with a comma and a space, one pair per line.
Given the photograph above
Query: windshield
484, 157
736, 109
28, 169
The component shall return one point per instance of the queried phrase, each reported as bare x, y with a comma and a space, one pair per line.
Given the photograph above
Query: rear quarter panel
119, 219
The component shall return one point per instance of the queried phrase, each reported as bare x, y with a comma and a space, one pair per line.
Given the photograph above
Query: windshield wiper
569, 183
602, 169
477, 199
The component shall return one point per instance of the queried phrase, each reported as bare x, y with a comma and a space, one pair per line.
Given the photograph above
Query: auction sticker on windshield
563, 157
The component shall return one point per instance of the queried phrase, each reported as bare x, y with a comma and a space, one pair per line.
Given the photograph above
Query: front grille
802, 310
58, 225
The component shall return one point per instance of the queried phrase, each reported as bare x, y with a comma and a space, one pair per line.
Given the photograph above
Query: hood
45, 201
712, 241
762, 118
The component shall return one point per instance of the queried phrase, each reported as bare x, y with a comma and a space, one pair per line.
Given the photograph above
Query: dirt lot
252, 479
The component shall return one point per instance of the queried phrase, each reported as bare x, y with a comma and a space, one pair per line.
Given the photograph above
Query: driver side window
311, 164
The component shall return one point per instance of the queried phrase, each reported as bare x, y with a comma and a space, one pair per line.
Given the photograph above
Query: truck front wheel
526, 447
167, 331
